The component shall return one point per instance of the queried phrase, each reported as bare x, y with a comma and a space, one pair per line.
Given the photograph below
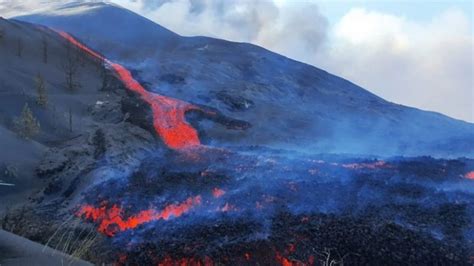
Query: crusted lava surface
212, 207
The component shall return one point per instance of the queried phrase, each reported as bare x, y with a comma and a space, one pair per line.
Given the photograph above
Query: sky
413, 52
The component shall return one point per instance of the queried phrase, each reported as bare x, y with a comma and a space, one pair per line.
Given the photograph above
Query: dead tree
45, 49
55, 117
99, 143
2, 34
104, 74
19, 51
42, 97
70, 66
70, 119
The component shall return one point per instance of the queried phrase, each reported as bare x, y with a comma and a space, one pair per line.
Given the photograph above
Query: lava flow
217, 192
469, 175
111, 220
168, 261
168, 114
285, 261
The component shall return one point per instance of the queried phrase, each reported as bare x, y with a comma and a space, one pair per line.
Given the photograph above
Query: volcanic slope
287, 104
27, 53
71, 116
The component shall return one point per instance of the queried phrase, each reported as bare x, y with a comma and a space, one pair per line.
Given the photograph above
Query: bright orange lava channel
168, 114
217, 192
470, 175
112, 220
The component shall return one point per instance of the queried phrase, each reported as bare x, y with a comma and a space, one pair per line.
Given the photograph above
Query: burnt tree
104, 75
2, 34
70, 66
20, 47
44, 47
99, 143
42, 95
70, 119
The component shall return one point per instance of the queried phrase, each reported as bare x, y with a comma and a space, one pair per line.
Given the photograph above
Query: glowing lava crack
168, 113
111, 220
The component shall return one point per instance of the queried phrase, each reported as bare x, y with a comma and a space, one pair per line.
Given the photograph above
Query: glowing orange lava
111, 220
217, 192
168, 261
168, 114
469, 175
227, 208
247, 256
283, 261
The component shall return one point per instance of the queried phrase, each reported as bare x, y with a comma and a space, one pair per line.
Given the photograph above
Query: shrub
26, 125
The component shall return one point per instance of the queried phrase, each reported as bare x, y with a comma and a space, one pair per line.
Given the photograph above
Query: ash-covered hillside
288, 104
51, 95
34, 67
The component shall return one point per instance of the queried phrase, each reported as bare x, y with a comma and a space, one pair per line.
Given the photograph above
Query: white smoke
423, 64
426, 64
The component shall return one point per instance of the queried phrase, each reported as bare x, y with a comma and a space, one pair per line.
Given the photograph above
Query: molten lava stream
469, 175
168, 261
217, 192
169, 118
111, 220
285, 261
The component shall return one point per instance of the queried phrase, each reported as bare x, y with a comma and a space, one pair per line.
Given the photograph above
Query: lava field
213, 207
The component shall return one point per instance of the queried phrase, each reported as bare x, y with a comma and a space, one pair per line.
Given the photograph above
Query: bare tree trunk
20, 47
45, 50
42, 97
2, 35
70, 119
70, 66
54, 120
103, 74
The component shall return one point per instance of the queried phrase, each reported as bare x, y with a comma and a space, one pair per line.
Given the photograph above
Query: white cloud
427, 65
10, 8
275, 26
